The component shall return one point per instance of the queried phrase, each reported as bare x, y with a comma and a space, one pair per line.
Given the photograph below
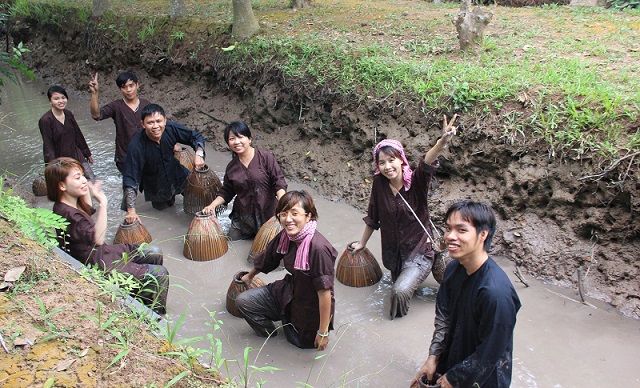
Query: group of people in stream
476, 304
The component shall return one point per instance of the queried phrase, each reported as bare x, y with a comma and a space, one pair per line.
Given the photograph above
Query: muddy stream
559, 341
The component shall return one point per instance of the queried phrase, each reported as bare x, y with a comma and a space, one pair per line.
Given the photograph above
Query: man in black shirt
150, 165
476, 307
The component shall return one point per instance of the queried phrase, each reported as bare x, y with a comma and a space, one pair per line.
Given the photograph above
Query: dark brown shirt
78, 241
127, 123
400, 232
62, 139
254, 187
297, 293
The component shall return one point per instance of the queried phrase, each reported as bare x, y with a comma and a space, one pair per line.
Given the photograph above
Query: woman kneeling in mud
398, 195
303, 300
84, 237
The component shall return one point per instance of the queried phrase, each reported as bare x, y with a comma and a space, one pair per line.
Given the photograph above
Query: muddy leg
259, 308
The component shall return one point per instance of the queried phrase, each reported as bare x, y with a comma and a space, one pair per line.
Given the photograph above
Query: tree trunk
471, 25
245, 23
99, 6
176, 8
297, 4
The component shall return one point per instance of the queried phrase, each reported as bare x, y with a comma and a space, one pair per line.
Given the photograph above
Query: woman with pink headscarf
406, 251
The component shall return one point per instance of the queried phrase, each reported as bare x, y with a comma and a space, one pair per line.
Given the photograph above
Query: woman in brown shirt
61, 135
254, 178
303, 300
84, 238
396, 195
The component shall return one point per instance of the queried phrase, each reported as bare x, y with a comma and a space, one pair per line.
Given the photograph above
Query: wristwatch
200, 153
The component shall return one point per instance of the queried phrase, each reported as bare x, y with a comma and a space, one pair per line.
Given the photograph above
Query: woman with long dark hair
84, 238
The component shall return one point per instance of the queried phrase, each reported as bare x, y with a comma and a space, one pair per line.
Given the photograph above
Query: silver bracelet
323, 335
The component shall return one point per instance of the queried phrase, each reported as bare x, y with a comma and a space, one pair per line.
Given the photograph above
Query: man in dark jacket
150, 165
476, 307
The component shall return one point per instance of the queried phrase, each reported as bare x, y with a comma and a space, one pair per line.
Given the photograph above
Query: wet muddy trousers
155, 282
259, 308
404, 287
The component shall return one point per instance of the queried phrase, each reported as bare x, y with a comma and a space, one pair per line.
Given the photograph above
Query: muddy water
559, 342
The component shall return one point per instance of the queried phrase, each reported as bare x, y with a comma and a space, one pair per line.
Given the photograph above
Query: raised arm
101, 211
94, 104
448, 131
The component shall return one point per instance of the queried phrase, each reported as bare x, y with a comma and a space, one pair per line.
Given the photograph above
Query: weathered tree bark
471, 25
300, 4
245, 23
99, 6
176, 8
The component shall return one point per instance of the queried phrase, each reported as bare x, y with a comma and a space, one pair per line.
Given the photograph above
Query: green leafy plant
52, 330
37, 223
148, 31
625, 4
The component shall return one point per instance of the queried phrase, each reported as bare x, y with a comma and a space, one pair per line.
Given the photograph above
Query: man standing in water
150, 165
125, 112
476, 307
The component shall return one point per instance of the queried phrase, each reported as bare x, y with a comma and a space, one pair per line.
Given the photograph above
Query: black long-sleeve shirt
152, 168
480, 310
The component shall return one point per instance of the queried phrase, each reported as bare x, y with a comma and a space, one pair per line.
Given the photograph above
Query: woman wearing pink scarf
303, 300
405, 249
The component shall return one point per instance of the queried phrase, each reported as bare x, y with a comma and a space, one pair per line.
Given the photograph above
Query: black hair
238, 128
388, 150
479, 214
294, 197
56, 89
124, 77
151, 109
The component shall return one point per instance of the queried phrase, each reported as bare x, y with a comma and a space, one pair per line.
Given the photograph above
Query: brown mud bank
554, 218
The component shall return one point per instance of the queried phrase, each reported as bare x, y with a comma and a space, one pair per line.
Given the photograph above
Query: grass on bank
562, 74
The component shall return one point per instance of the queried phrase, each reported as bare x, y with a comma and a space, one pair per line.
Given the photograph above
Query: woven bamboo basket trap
440, 262
359, 269
265, 234
186, 157
236, 287
202, 188
39, 186
205, 240
132, 233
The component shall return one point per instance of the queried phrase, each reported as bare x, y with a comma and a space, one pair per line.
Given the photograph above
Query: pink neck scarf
407, 173
302, 254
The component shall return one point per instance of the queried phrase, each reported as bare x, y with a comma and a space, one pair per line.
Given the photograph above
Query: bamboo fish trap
205, 240
440, 262
236, 287
202, 188
358, 269
186, 158
265, 234
133, 233
39, 186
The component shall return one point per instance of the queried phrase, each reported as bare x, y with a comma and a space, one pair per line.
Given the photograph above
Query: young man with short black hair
150, 165
476, 306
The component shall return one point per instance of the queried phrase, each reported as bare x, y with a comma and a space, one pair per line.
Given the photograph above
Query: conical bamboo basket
205, 240
440, 262
265, 234
186, 158
133, 233
236, 287
39, 186
202, 188
358, 269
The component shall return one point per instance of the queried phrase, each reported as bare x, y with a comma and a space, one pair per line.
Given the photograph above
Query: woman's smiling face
293, 220
390, 166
